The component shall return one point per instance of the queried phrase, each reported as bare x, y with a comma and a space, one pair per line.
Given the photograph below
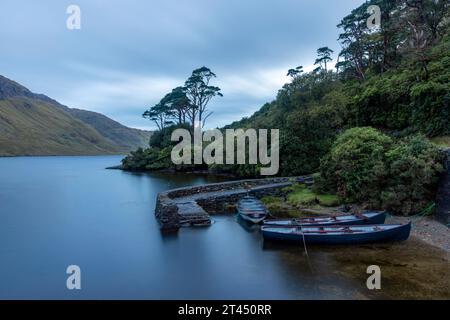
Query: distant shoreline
62, 155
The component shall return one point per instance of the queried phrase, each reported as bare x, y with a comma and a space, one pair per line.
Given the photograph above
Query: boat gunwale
388, 227
327, 221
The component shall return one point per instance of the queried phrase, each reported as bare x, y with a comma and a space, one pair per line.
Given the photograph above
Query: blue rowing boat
252, 210
365, 218
339, 235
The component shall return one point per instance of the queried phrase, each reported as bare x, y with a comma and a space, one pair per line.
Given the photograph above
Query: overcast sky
129, 53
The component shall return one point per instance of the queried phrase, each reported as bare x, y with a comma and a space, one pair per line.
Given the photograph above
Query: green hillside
395, 79
30, 127
34, 124
126, 138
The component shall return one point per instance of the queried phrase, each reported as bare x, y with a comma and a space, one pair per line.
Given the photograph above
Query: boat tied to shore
357, 219
338, 235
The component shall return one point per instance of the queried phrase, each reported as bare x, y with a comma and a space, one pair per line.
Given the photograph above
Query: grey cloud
111, 65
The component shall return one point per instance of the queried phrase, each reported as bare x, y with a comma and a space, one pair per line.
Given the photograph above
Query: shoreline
427, 229
213, 198
189, 172
63, 155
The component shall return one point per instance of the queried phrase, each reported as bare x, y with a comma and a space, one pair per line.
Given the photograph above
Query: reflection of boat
365, 218
339, 234
248, 226
252, 210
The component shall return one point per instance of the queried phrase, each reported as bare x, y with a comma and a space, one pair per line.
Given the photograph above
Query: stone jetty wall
192, 206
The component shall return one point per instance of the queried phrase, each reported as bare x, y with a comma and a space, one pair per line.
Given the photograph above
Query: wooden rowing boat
339, 235
365, 218
252, 210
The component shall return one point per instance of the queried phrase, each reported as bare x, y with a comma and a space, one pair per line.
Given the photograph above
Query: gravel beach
427, 229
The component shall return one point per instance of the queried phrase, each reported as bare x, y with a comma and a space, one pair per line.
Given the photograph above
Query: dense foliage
355, 164
389, 93
395, 79
413, 170
366, 166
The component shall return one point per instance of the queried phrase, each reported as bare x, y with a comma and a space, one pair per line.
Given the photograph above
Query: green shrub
162, 138
355, 166
148, 159
414, 165
366, 166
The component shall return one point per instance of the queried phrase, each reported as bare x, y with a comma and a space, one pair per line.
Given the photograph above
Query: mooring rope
419, 216
306, 250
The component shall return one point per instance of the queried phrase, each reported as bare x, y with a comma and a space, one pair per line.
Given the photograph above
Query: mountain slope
34, 124
122, 136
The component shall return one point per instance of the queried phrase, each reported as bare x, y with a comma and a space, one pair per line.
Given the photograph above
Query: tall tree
200, 92
353, 41
324, 56
161, 114
293, 73
178, 103
425, 21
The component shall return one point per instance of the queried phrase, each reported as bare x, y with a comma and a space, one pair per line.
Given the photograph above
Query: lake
61, 211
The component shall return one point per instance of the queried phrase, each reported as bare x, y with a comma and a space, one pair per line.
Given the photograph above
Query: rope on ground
423, 214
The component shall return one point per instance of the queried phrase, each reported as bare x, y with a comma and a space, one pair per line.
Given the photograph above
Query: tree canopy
188, 103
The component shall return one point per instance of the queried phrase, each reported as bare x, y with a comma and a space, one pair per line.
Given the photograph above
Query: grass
443, 141
300, 195
328, 200
270, 199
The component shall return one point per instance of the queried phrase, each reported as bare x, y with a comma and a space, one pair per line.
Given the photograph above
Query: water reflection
246, 225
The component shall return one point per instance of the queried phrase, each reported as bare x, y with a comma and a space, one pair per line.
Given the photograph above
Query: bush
414, 165
162, 138
365, 166
355, 166
148, 159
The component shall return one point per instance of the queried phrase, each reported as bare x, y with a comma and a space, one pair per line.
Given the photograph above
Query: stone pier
192, 206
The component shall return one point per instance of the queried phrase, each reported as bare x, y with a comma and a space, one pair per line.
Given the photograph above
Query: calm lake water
60, 211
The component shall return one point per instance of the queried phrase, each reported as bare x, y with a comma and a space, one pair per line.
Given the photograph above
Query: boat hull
371, 218
250, 219
252, 210
337, 236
